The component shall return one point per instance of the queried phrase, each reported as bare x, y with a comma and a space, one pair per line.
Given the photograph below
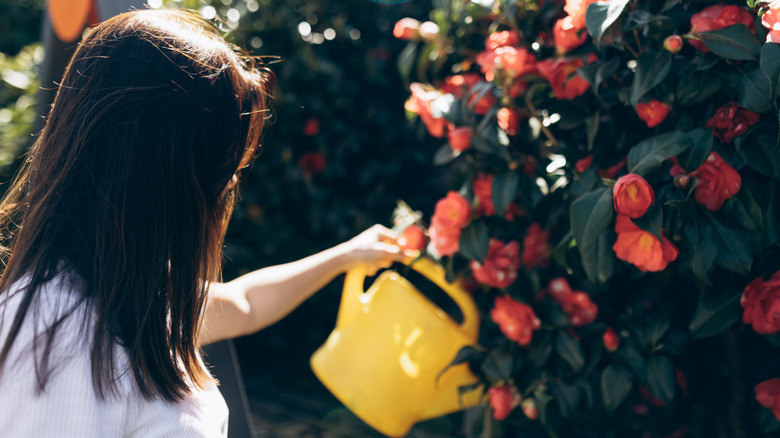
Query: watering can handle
350, 297
353, 288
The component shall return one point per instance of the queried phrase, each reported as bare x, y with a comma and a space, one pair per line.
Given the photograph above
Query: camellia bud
682, 180
529, 408
673, 43
429, 31
406, 28
610, 340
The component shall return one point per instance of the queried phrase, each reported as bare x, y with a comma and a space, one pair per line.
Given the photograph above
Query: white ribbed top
69, 406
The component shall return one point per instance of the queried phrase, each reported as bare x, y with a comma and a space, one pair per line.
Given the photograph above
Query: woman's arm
260, 298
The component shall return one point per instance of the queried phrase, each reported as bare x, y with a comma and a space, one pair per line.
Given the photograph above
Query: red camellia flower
420, 103
516, 320
558, 288
580, 308
412, 239
444, 239
460, 138
632, 195
501, 264
311, 127
311, 163
530, 409
761, 301
452, 211
501, 39
509, 120
576, 10
768, 395
718, 181
730, 121
503, 399
567, 36
717, 17
771, 21
563, 78
406, 28
483, 190
653, 112
457, 85
536, 250
640, 248
610, 340
510, 61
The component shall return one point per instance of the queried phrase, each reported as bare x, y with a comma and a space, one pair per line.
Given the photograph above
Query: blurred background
336, 158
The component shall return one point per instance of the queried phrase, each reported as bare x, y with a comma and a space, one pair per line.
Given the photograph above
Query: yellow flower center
632, 191
646, 241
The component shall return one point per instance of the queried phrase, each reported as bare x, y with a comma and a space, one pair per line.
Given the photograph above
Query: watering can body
387, 359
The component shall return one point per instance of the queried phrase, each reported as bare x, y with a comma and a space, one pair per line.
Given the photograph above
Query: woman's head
126, 184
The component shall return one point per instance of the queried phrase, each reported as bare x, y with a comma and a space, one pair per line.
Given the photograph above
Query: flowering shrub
614, 206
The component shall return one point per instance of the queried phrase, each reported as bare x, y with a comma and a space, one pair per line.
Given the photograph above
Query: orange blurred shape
69, 17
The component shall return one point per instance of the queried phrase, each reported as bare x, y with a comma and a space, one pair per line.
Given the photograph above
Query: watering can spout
384, 359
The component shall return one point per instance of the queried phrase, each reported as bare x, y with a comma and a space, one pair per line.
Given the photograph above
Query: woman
113, 232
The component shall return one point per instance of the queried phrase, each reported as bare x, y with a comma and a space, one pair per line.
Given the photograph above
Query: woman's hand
260, 298
377, 248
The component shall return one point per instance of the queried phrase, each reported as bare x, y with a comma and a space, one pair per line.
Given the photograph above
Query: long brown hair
123, 191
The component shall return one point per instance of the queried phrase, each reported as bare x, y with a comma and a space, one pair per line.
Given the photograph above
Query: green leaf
734, 252
474, 241
699, 248
616, 384
649, 154
651, 70
630, 357
504, 191
595, 73
406, 61
567, 398
771, 223
590, 215
770, 66
715, 312
466, 354
658, 325
757, 148
592, 126
598, 258
606, 258
570, 351
744, 210
752, 89
600, 16
691, 159
735, 42
660, 378
651, 221
444, 155
498, 365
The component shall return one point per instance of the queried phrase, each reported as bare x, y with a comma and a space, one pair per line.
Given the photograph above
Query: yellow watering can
384, 360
